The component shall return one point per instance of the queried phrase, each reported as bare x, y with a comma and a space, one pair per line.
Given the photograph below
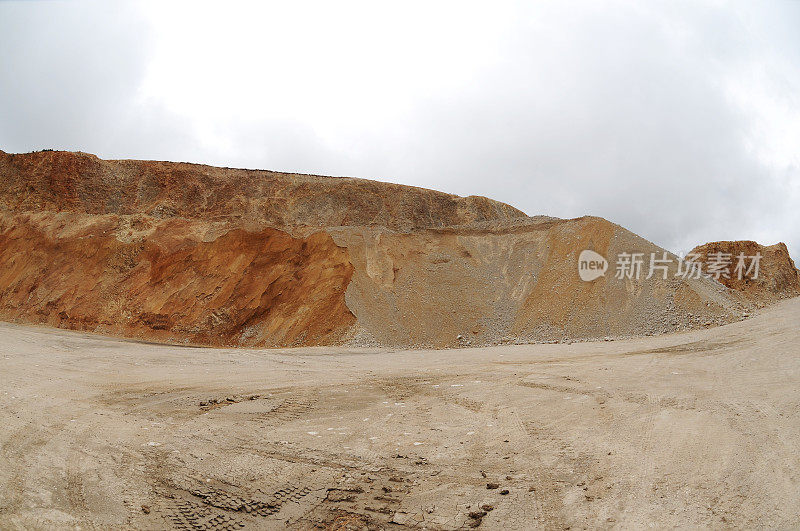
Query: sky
678, 120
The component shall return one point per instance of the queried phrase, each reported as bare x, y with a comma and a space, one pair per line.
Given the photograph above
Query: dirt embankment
774, 277
78, 182
191, 253
173, 280
517, 284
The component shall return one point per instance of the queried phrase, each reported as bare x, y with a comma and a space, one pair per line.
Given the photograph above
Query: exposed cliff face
189, 253
173, 280
778, 278
78, 182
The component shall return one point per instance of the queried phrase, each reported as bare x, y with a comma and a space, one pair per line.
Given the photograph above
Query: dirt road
694, 429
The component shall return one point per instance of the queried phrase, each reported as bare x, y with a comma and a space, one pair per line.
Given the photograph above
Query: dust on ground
692, 429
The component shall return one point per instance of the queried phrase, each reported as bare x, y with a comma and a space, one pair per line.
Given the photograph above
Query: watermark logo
591, 265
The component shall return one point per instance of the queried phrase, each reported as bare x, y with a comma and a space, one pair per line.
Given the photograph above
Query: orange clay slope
195, 254
777, 277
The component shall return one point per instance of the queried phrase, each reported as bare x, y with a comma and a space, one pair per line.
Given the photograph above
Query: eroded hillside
195, 254
774, 277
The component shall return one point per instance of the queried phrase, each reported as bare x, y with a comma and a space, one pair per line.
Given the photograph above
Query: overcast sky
677, 120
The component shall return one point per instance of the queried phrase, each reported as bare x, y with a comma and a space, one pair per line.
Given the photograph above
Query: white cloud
678, 120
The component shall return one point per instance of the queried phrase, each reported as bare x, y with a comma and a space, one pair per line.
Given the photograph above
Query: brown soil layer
79, 182
778, 278
174, 281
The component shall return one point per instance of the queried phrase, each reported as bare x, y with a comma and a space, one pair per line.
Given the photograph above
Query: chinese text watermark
592, 265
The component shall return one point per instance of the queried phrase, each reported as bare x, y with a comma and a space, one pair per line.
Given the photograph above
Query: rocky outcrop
62, 181
173, 280
774, 276
194, 254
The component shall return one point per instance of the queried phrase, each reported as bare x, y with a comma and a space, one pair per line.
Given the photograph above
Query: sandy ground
693, 429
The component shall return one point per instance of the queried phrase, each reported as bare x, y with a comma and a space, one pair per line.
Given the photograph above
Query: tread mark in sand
190, 515
223, 500
291, 409
75, 493
288, 409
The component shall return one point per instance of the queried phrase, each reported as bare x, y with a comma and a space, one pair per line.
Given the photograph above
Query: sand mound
189, 253
777, 277
518, 283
